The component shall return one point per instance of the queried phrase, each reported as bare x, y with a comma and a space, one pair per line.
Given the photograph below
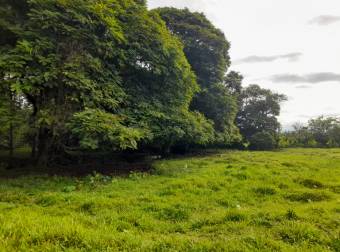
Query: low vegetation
228, 201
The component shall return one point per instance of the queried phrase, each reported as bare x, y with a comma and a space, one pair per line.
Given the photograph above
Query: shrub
262, 141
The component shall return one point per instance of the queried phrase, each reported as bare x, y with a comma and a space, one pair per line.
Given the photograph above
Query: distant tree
334, 135
301, 136
325, 131
207, 51
319, 132
259, 110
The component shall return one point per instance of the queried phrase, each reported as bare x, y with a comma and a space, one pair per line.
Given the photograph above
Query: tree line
321, 132
113, 76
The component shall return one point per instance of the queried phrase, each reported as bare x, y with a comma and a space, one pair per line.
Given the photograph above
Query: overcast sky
290, 46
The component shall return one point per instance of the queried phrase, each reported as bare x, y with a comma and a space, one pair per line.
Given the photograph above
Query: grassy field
231, 201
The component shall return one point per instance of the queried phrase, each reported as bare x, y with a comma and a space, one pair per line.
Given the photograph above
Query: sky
289, 46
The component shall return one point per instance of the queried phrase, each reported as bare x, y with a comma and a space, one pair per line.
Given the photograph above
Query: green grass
231, 201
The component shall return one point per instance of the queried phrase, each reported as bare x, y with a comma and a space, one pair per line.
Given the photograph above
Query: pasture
287, 200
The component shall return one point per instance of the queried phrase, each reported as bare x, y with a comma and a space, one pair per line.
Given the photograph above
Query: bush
262, 141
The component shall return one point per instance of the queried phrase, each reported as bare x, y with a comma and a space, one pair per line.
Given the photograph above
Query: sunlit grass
231, 201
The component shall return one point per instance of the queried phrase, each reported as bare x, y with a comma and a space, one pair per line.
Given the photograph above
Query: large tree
207, 51
64, 61
93, 71
259, 110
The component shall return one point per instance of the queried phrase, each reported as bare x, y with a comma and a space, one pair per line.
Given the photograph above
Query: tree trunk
11, 132
32, 123
34, 147
11, 140
11, 147
44, 144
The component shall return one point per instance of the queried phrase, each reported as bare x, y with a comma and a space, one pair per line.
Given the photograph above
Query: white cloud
307, 78
325, 20
292, 57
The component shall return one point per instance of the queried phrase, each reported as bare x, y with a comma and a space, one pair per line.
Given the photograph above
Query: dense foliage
110, 75
207, 51
96, 76
205, 46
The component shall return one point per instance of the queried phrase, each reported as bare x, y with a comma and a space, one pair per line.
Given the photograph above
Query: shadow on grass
114, 165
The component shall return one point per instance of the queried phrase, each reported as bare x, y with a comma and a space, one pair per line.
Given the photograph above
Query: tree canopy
205, 46
207, 51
